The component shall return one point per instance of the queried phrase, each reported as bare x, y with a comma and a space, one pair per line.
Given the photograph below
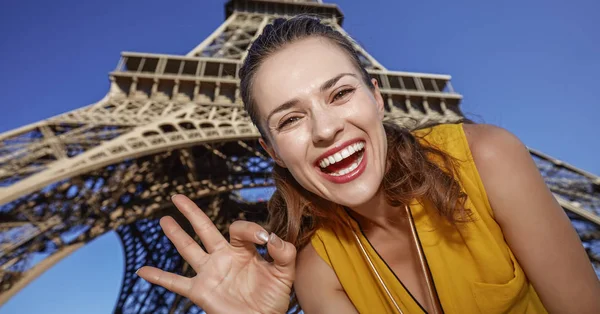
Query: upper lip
336, 149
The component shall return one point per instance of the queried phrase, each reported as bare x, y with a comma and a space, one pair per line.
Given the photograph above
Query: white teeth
343, 154
349, 169
337, 157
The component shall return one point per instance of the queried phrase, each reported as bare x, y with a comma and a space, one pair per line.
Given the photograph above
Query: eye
343, 93
287, 122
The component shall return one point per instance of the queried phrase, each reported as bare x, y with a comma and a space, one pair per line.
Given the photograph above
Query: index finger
207, 231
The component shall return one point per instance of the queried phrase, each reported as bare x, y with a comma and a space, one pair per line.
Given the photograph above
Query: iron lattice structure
175, 124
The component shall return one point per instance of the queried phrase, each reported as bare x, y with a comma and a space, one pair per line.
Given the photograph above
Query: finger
178, 284
185, 245
203, 226
283, 254
244, 234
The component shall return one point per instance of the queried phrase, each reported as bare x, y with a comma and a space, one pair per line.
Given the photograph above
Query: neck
378, 213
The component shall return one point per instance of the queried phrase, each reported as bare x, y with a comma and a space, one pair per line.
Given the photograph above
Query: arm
534, 225
317, 287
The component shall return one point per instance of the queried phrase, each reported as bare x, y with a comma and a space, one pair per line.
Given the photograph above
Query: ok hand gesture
230, 277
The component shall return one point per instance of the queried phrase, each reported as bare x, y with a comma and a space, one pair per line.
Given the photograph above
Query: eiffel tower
175, 124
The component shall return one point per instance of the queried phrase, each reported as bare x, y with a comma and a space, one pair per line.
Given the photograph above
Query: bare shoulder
491, 144
310, 267
487, 138
317, 286
308, 258
501, 159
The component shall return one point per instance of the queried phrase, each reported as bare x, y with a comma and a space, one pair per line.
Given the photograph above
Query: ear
271, 152
378, 99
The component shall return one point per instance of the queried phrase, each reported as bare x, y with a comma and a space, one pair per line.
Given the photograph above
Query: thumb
283, 254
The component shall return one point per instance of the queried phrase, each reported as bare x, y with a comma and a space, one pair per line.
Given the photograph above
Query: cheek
363, 110
293, 150
292, 146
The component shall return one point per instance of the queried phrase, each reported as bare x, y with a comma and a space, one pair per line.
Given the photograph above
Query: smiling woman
369, 217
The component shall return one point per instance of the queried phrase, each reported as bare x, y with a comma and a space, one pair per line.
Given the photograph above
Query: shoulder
485, 144
491, 145
311, 267
317, 286
505, 167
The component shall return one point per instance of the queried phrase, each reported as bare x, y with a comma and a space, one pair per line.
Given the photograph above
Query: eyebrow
292, 102
329, 83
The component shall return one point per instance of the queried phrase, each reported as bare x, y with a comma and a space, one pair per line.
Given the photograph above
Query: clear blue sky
529, 66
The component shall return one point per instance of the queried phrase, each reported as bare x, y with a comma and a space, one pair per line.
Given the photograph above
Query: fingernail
136, 272
276, 241
173, 196
263, 236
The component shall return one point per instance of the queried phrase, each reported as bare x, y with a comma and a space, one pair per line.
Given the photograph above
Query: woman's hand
230, 277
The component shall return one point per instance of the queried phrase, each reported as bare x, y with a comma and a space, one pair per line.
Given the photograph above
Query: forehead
298, 70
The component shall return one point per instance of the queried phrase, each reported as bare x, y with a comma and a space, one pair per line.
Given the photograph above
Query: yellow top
473, 268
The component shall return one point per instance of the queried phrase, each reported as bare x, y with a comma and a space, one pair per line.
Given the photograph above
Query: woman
370, 218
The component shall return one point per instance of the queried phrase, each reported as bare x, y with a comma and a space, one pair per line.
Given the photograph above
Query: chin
357, 198
354, 195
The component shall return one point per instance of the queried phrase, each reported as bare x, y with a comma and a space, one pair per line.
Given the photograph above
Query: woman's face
324, 124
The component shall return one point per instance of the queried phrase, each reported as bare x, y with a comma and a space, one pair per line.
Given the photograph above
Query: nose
326, 125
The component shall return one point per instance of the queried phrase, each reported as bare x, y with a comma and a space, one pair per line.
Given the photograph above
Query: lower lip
350, 175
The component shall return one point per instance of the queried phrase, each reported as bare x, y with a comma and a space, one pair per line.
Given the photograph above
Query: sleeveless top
473, 268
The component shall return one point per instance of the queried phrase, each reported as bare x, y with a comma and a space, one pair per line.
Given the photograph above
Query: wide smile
343, 164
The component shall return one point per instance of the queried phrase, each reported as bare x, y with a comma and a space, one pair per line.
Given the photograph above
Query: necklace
433, 296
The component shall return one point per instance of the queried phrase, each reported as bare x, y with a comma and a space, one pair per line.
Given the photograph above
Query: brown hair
413, 170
